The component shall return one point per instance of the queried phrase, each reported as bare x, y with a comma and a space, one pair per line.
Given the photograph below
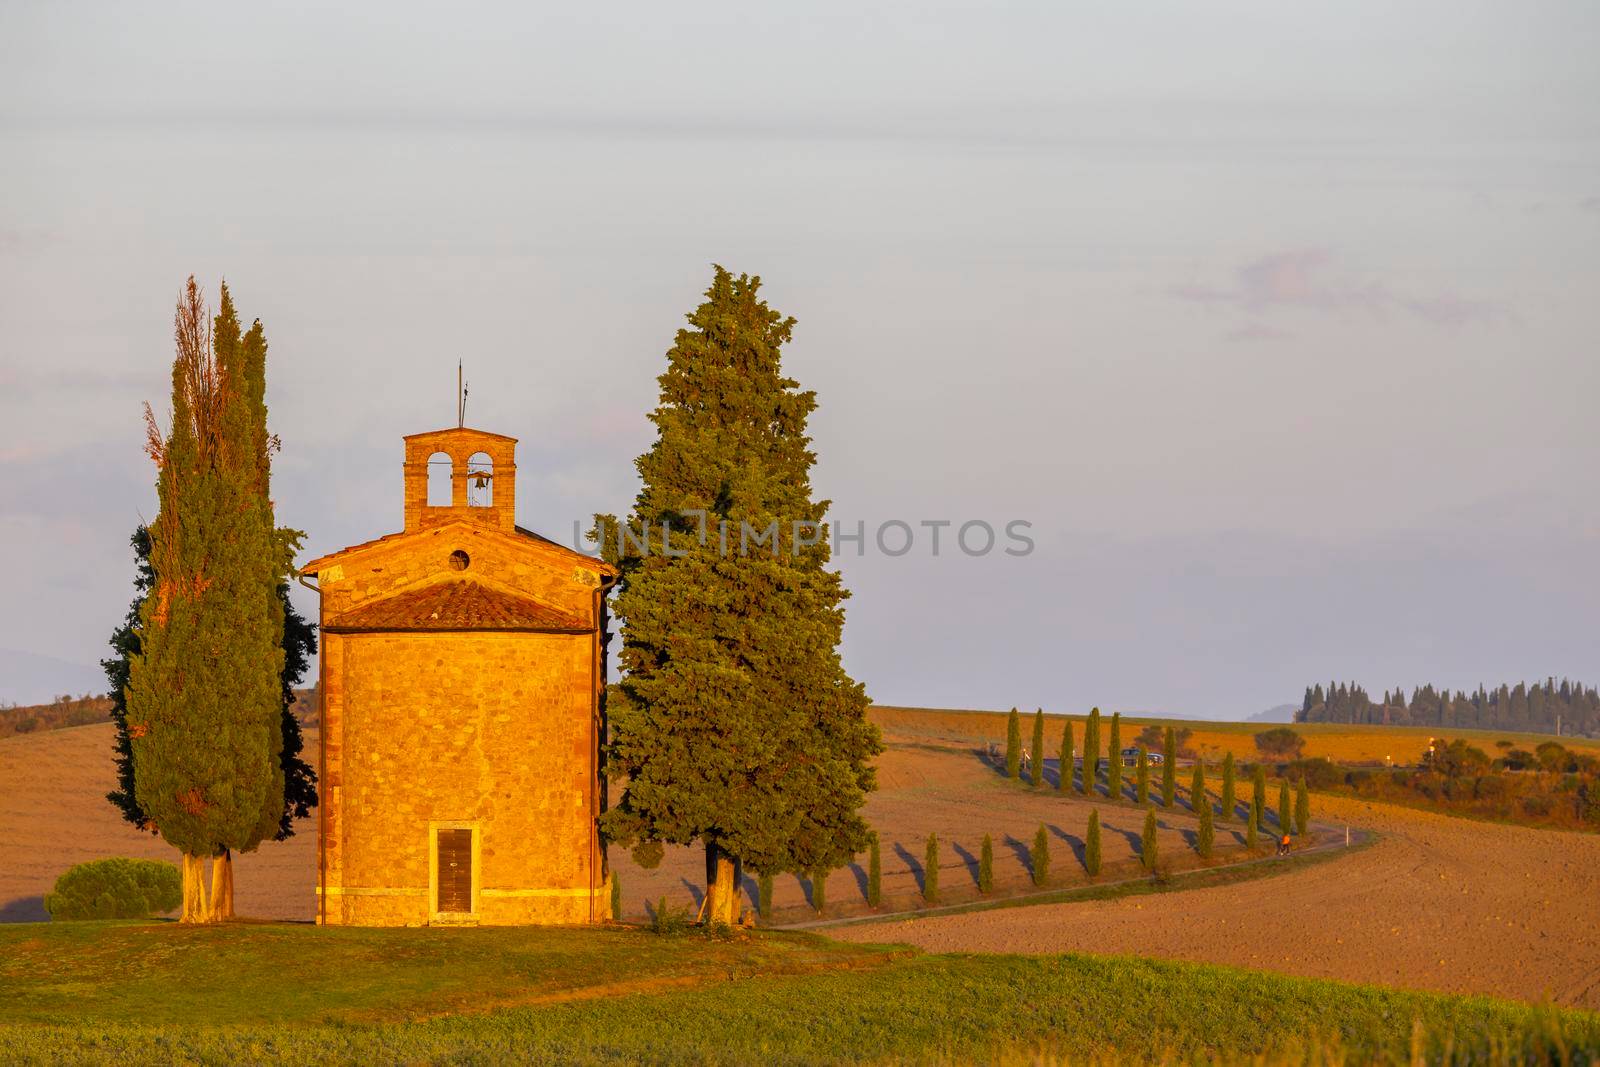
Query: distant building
460, 680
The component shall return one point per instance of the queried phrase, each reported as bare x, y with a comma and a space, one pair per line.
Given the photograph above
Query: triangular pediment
456, 604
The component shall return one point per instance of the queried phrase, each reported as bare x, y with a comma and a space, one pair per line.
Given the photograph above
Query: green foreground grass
139, 993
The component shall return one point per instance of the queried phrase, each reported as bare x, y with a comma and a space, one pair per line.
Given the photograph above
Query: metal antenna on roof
461, 398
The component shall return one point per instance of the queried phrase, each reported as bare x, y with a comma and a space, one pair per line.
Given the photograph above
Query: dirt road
1439, 903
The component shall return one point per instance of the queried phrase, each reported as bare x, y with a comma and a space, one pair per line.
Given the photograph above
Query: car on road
1130, 757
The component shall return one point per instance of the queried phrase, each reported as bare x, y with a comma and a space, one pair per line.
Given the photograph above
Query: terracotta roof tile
457, 605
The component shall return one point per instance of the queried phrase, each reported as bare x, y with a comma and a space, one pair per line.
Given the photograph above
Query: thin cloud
1306, 279
1257, 331
1591, 203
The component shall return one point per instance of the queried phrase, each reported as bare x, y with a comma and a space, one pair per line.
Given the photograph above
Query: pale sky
1279, 322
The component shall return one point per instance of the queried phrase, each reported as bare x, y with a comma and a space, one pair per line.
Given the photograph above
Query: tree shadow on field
698, 892
1134, 839
969, 859
915, 864
23, 910
1051, 781
1074, 843
1023, 853
860, 875
751, 889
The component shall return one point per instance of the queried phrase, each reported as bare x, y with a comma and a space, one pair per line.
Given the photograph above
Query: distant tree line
1531, 707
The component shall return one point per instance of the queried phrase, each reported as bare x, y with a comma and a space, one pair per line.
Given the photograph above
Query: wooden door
455, 871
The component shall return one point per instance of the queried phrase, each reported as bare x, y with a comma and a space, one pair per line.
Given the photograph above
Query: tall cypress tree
245, 355
1114, 758
930, 870
1169, 770
1141, 781
1230, 798
1205, 836
1285, 812
1091, 844
1258, 799
1147, 841
1302, 809
874, 874
734, 722
986, 865
1013, 745
1064, 783
1036, 753
1197, 787
1091, 753
203, 693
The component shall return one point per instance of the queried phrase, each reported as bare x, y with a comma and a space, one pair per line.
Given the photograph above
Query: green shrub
874, 874
1318, 771
1040, 856
115, 888
1091, 845
1250, 830
986, 866
1491, 787
668, 921
930, 870
1537, 806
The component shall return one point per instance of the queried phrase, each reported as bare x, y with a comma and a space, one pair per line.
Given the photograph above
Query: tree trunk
722, 887
196, 901
222, 886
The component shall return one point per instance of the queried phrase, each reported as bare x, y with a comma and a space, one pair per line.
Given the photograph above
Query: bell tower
480, 468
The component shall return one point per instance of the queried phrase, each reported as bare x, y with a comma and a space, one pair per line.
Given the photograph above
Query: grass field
138, 993
1340, 742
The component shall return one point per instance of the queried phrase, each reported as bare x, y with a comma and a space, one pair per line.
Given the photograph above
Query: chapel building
461, 674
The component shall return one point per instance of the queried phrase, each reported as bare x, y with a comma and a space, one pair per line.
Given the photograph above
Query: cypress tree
1036, 764
1250, 829
1114, 758
1041, 856
734, 723
1197, 788
1013, 745
986, 866
1230, 797
616, 895
819, 889
1285, 812
874, 875
1258, 800
1302, 809
1204, 837
204, 690
1091, 753
764, 896
1091, 845
1147, 842
1141, 790
1067, 756
930, 870
1169, 770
